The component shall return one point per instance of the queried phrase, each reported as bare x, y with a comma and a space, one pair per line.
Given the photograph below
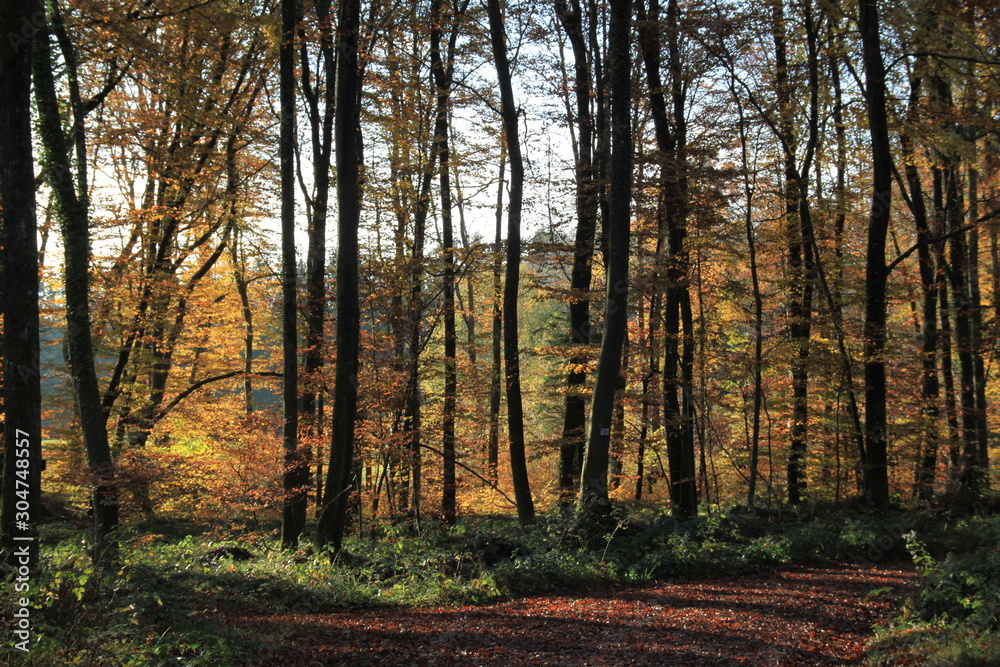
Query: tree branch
467, 468
201, 383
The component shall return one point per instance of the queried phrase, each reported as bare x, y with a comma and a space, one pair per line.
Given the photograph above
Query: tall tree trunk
930, 382
972, 479
296, 471
575, 415
441, 69
594, 483
980, 465
493, 448
756, 363
20, 500
512, 358
469, 310
678, 351
71, 203
801, 267
320, 104
332, 523
876, 471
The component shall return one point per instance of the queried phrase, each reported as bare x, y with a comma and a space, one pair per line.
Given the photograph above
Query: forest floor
788, 615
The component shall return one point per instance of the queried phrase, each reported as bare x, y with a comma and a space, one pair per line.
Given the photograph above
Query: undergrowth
951, 615
163, 602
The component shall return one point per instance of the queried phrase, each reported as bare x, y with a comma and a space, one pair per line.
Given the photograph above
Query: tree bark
332, 523
593, 498
296, 471
320, 103
799, 234
512, 358
930, 382
493, 448
72, 211
876, 471
20, 500
575, 416
441, 69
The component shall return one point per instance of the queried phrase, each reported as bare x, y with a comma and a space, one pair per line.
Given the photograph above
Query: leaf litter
784, 616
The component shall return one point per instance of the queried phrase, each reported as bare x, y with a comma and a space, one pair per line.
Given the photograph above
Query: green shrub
951, 615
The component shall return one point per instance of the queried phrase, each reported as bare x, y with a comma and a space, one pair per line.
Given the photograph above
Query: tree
332, 522
442, 70
20, 500
876, 465
296, 470
587, 191
72, 210
670, 129
512, 359
196, 123
593, 496
320, 108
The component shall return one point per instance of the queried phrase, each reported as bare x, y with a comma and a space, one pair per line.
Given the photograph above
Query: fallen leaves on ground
786, 616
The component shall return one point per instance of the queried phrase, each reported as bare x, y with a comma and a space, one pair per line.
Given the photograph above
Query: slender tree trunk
800, 284
296, 471
412, 420
930, 382
617, 461
493, 452
575, 415
649, 419
469, 310
594, 483
332, 523
512, 358
72, 211
981, 462
20, 501
678, 323
242, 288
972, 479
876, 471
441, 69
321, 107
756, 363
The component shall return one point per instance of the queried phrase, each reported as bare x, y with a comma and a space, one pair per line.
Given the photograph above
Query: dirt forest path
785, 616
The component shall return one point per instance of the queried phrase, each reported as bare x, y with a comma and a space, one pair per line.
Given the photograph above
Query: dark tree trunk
678, 397
799, 239
594, 483
412, 413
876, 471
973, 476
332, 523
20, 501
512, 359
575, 417
756, 363
242, 288
296, 470
71, 205
320, 104
930, 383
493, 453
441, 68
981, 462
